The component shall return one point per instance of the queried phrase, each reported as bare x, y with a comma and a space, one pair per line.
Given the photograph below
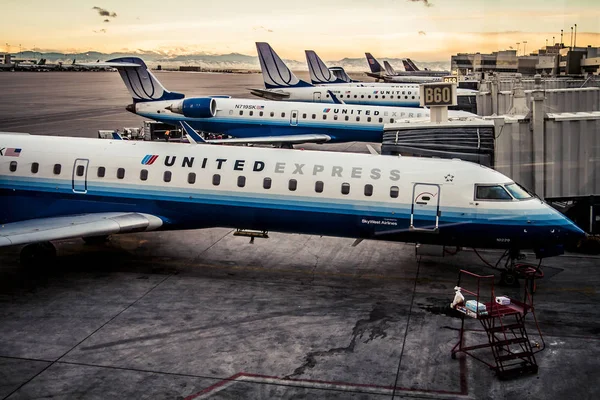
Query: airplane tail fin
389, 69
409, 65
341, 74
319, 73
140, 82
275, 73
373, 64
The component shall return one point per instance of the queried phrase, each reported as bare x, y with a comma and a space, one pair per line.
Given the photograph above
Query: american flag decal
12, 152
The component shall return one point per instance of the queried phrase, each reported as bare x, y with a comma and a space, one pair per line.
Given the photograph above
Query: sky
427, 30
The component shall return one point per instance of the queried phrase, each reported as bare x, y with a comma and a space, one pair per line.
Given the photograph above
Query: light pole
8, 48
524, 46
518, 44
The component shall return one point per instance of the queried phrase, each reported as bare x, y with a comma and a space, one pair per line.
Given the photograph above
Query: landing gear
38, 254
95, 239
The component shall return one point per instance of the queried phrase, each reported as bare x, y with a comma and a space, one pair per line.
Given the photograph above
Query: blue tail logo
140, 82
275, 73
373, 64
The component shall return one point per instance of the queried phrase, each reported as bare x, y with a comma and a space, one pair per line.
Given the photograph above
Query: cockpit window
517, 191
491, 192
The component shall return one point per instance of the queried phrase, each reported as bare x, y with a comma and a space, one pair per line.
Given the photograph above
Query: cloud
104, 12
426, 3
106, 20
100, 31
422, 33
262, 28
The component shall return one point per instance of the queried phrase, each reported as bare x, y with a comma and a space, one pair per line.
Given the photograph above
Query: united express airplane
54, 188
253, 120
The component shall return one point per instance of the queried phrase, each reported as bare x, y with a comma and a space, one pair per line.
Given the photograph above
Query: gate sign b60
438, 94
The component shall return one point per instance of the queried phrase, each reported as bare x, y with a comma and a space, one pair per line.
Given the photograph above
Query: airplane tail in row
374, 64
319, 73
389, 69
341, 74
140, 82
409, 65
275, 73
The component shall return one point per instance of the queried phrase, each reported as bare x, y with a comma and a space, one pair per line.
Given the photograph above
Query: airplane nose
130, 108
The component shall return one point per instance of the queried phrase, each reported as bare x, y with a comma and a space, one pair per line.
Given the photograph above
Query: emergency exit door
425, 210
80, 169
294, 118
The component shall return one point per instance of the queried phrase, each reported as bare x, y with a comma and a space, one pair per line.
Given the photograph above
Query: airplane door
426, 207
317, 97
80, 175
294, 118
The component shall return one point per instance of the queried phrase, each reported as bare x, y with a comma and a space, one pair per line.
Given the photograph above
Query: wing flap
288, 139
56, 228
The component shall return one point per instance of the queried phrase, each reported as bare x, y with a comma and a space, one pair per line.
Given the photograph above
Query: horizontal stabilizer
108, 64
72, 226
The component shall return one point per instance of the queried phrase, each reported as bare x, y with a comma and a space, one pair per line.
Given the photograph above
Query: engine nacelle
198, 107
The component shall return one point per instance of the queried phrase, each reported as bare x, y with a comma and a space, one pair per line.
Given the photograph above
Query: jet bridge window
143, 175
491, 192
216, 179
192, 178
267, 183
345, 188
121, 173
167, 176
13, 166
319, 186
35, 168
101, 172
57, 168
368, 190
293, 185
394, 191
241, 181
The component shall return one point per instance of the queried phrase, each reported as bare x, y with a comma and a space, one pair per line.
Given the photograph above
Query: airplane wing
288, 139
71, 226
107, 64
195, 138
270, 94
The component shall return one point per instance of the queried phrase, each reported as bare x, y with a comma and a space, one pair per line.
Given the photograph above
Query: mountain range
215, 61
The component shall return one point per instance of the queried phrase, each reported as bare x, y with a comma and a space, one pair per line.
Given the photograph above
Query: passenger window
380, 120
191, 178
35, 168
362, 96
293, 184
282, 115
345, 188
241, 182
167, 176
391, 120
267, 183
368, 119
376, 96
304, 116
57, 168
413, 97
13, 166
121, 173
216, 179
260, 114
368, 190
357, 119
272, 114
369, 96
319, 187
324, 116
143, 174
383, 97
80, 170
251, 113
394, 191
346, 118
491, 192
101, 172
327, 95
335, 117
241, 112
355, 96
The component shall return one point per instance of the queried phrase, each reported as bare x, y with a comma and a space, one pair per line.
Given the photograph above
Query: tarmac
207, 315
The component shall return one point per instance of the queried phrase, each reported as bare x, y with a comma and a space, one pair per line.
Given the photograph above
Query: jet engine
198, 107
